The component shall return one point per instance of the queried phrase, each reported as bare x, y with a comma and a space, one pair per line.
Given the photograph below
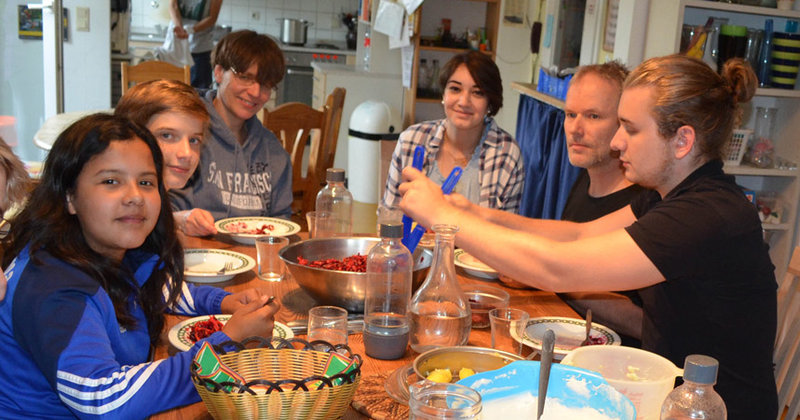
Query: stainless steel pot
294, 31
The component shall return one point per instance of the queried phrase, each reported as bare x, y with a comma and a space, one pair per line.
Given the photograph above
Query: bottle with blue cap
696, 398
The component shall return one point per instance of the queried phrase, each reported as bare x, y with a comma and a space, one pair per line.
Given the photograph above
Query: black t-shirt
581, 207
719, 297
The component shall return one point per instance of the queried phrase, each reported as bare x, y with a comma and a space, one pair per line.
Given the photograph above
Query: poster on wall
30, 23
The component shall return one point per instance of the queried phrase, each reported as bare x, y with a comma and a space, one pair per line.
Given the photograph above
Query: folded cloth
174, 50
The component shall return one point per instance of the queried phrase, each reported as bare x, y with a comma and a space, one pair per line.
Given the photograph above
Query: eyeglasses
248, 80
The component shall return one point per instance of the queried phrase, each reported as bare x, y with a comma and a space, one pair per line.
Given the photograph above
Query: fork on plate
227, 267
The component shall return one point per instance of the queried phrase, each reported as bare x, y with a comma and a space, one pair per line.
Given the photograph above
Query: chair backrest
787, 342
298, 126
152, 70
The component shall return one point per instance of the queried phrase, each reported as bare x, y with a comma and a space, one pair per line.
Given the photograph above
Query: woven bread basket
281, 382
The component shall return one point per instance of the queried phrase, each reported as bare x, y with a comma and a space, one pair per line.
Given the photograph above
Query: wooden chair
298, 126
152, 70
787, 342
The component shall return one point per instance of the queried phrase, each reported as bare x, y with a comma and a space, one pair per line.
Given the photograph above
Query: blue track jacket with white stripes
64, 355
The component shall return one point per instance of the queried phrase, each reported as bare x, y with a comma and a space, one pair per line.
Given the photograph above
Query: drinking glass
508, 327
320, 224
270, 266
327, 323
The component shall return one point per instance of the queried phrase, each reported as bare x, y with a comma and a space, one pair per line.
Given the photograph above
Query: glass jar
711, 50
438, 311
439, 401
762, 150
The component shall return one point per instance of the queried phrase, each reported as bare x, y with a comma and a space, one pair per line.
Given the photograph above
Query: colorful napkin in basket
209, 366
336, 364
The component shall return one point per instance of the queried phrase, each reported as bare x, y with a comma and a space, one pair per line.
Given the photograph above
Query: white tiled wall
259, 15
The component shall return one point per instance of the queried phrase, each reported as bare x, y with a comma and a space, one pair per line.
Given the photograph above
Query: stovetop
318, 46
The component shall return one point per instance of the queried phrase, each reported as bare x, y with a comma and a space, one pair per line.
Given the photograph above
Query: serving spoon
588, 340
548, 343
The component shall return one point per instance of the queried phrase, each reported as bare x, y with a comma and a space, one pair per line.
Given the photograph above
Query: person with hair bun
694, 243
467, 137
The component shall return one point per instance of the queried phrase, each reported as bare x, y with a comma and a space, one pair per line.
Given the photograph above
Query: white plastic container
644, 377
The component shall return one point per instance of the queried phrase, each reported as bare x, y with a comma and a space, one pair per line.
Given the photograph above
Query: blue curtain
549, 175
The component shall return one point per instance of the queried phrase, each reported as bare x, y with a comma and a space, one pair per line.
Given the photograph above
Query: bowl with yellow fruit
450, 364
445, 364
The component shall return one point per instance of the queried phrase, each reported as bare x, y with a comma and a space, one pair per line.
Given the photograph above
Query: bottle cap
335, 175
391, 230
700, 369
791, 26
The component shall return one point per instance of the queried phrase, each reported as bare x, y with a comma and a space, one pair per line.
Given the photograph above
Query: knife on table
300, 326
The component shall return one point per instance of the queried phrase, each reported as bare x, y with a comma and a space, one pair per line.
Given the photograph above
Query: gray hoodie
233, 180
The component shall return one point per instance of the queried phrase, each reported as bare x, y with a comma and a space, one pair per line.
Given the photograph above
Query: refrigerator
28, 73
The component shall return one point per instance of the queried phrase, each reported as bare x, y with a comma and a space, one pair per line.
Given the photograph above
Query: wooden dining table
295, 303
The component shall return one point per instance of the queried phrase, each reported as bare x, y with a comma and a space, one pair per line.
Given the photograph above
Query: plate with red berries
245, 230
183, 335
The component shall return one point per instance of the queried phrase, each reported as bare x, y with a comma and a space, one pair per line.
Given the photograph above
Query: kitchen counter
319, 46
346, 69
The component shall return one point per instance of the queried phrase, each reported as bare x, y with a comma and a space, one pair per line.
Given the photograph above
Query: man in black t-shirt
601, 188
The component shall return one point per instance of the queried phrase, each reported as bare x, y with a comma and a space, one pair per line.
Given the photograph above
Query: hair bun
740, 78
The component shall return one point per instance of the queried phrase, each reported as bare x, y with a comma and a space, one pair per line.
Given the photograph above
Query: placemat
372, 400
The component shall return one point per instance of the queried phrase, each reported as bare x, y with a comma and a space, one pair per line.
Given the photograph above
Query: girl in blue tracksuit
93, 262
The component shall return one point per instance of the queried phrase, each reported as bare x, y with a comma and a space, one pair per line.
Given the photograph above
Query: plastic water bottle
335, 199
389, 266
696, 398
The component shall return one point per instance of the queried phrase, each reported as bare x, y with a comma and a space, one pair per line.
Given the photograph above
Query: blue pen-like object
419, 157
447, 188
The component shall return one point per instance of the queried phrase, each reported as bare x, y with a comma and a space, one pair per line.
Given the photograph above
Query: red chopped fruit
356, 263
203, 329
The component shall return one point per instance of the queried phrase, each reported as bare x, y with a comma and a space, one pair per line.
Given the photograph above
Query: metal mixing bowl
339, 288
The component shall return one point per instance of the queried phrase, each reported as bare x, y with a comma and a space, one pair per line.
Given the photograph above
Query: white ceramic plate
242, 229
473, 265
179, 334
203, 265
570, 332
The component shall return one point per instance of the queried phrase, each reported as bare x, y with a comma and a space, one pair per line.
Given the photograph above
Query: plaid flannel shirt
501, 173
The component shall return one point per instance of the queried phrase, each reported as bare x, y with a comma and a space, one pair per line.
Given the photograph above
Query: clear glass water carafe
335, 199
439, 312
388, 291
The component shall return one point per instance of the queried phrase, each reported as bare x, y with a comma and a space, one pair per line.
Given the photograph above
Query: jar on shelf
762, 150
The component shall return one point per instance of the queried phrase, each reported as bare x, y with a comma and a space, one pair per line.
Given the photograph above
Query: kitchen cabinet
665, 22
427, 19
